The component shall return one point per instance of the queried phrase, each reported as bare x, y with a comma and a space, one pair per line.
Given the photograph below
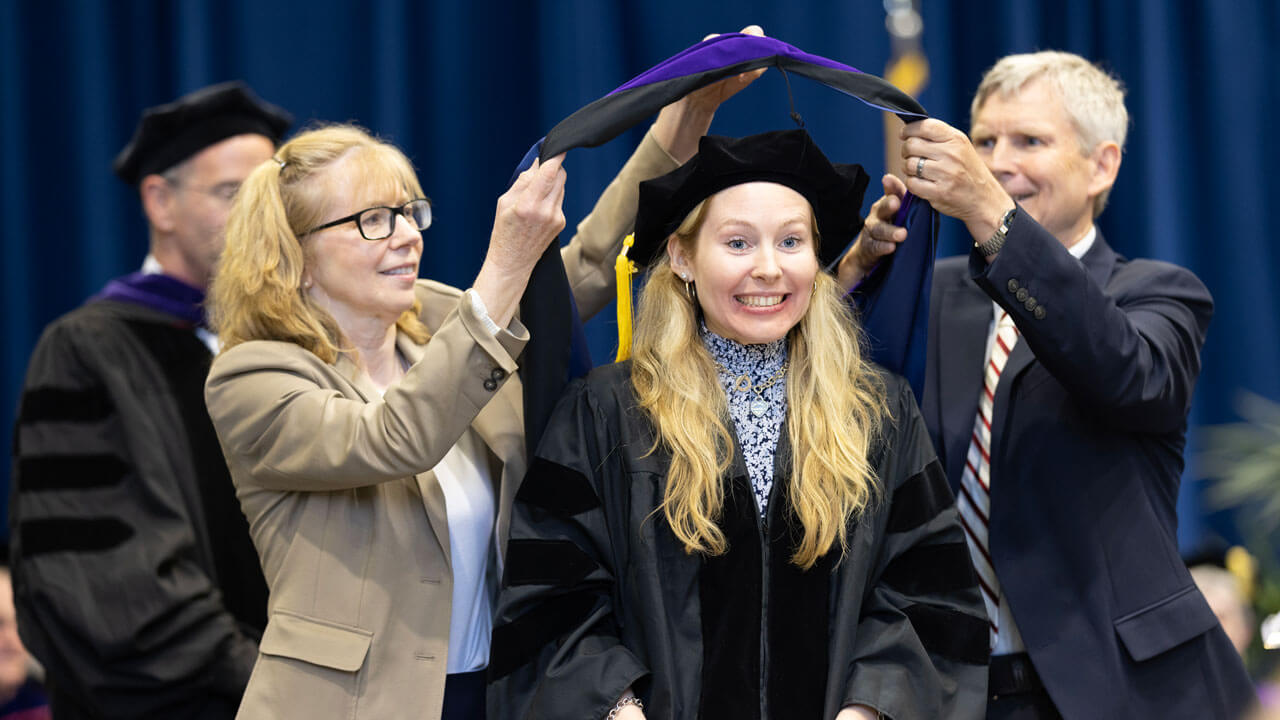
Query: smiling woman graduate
746, 520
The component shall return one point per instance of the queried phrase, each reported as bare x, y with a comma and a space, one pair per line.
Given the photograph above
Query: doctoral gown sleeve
110, 590
556, 651
920, 645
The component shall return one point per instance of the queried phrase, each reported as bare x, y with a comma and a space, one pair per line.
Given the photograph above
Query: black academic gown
599, 596
134, 579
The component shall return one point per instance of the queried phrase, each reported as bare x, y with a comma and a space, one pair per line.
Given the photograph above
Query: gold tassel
624, 268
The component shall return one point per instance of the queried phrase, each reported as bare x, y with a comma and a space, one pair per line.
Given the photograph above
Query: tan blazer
348, 519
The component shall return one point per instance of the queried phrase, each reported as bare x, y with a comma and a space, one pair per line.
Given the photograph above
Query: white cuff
482, 312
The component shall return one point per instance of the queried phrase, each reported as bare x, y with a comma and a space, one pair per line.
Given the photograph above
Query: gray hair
1093, 98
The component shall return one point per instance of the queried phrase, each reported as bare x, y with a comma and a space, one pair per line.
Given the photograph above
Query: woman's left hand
681, 123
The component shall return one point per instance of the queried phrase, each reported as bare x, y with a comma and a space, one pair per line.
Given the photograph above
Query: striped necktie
974, 502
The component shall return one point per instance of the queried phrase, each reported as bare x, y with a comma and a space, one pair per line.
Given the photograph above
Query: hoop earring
691, 290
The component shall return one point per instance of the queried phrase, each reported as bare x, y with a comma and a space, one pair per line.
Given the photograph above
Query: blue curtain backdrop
466, 87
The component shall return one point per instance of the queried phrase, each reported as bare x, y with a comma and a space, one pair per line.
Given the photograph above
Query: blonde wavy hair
835, 407
257, 292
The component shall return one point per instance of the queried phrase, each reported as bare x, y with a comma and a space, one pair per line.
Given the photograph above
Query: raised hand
529, 216
942, 166
879, 236
681, 123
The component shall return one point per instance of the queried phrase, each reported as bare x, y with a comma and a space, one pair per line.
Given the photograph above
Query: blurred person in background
135, 580
22, 697
1222, 591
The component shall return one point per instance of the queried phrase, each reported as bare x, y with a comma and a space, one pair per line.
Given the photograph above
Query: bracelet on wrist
628, 700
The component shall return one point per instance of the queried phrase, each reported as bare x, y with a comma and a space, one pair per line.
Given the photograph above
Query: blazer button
1039, 312
1013, 285
1030, 304
1022, 294
490, 384
498, 374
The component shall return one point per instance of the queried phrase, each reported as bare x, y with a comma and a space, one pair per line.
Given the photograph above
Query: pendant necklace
759, 406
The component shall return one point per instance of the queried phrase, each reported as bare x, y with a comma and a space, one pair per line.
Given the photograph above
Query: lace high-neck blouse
757, 418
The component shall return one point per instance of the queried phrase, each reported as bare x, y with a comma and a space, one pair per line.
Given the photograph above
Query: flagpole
907, 69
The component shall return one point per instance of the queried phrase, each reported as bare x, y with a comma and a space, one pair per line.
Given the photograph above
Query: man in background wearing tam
135, 580
1058, 383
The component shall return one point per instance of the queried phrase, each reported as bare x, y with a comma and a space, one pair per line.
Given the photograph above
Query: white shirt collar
1079, 249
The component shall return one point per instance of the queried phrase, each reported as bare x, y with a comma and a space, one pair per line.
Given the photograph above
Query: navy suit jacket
1088, 432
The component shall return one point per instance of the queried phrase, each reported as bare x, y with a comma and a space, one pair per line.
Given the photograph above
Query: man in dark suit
1059, 379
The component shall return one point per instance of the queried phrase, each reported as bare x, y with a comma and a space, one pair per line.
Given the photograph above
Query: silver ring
920, 168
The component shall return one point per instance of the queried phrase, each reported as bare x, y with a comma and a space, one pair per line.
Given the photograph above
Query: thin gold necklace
759, 406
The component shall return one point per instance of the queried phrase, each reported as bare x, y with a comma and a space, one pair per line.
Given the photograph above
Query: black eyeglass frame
396, 212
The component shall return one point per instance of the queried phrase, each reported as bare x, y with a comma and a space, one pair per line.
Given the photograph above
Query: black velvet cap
786, 157
170, 133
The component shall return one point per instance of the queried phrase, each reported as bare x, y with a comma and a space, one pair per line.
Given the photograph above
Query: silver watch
993, 244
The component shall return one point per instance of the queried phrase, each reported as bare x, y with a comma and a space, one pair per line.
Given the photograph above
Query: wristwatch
996, 241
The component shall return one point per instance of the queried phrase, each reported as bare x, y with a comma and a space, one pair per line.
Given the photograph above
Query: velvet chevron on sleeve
557, 650
134, 578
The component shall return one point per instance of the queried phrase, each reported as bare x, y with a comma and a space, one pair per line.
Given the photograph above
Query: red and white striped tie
974, 502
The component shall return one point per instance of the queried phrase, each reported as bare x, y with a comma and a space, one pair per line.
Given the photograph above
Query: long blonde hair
257, 292
835, 407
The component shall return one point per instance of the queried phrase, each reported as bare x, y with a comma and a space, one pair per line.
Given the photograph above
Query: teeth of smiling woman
398, 271
757, 301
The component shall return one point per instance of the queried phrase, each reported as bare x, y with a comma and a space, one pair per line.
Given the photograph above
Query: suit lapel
500, 426
359, 379
1100, 261
428, 485
964, 321
1018, 361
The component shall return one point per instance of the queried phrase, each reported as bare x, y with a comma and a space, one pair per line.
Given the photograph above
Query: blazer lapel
1100, 261
432, 494
964, 321
1018, 361
500, 426
358, 379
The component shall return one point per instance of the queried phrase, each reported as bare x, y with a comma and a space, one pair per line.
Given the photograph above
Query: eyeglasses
225, 192
377, 223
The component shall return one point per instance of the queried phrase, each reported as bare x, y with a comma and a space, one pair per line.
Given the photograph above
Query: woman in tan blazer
373, 421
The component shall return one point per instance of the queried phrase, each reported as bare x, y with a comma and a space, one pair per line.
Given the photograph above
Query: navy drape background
466, 87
